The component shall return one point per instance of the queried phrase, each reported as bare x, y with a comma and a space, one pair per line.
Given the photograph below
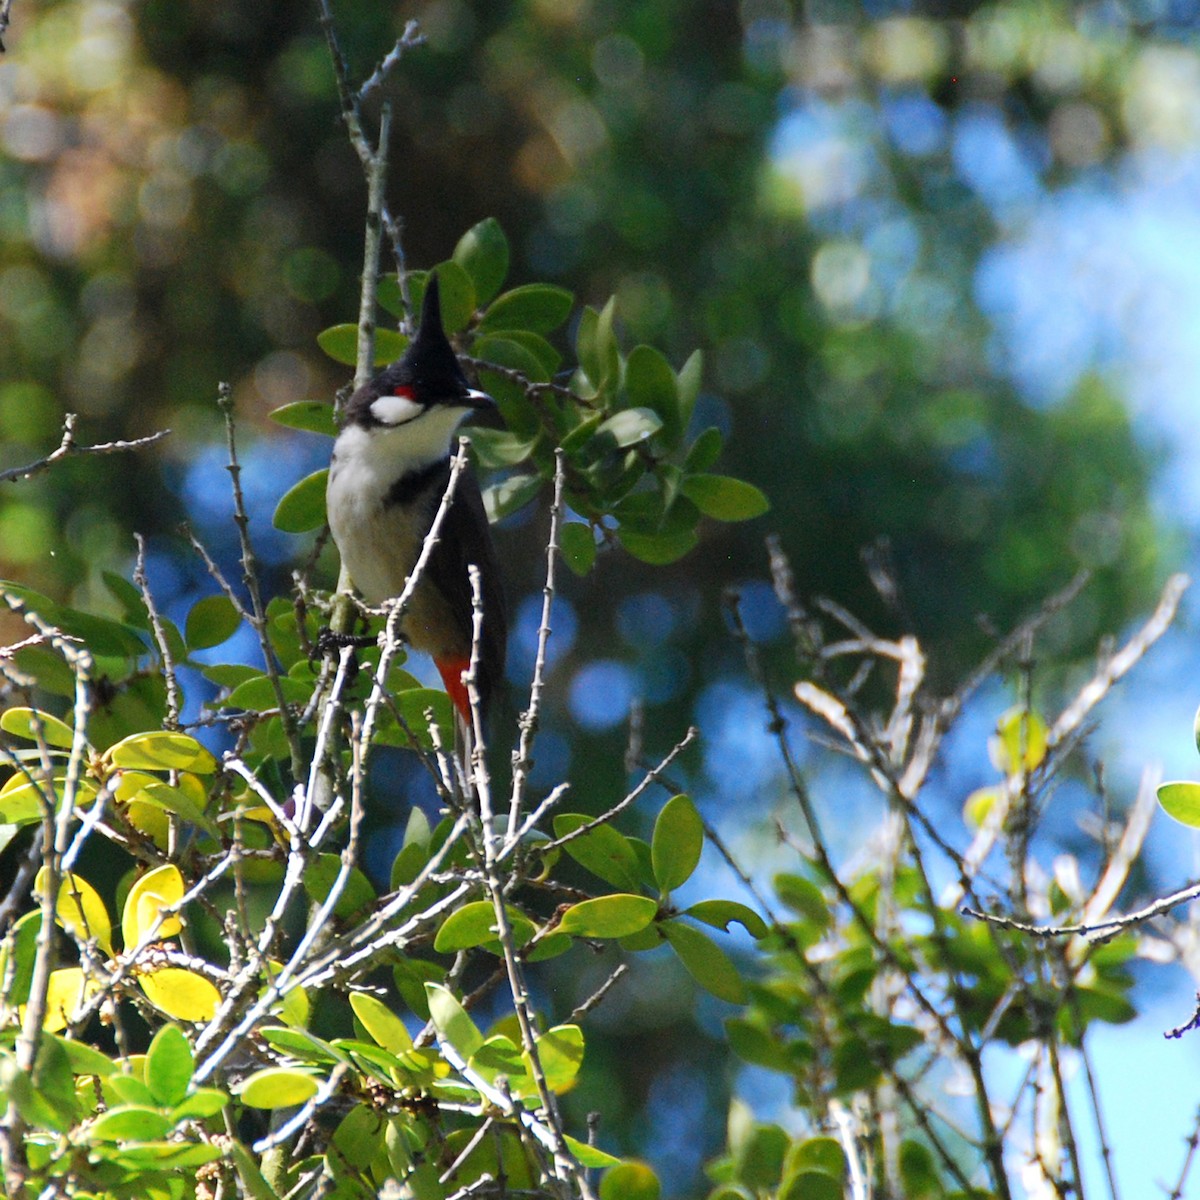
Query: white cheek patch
395, 410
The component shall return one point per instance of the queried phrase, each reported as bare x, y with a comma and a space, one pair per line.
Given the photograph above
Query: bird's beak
480, 401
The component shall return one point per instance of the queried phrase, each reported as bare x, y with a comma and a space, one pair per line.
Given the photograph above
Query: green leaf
130, 1123
810, 1185
312, 416
483, 253
277, 1087
821, 1154
37, 726
604, 851
160, 750
84, 1059
608, 916
803, 896
539, 307
1179, 799
650, 384
578, 545
202, 1103
724, 498
359, 1136
301, 1044
560, 1051
452, 1021
503, 499
506, 351
475, 925
706, 962
340, 342
590, 1156
381, 1023
211, 621
389, 297
759, 1164
630, 1180
258, 694
22, 939
500, 448
457, 295
658, 549
690, 375
705, 451
319, 878
720, 914
918, 1171
755, 1045
630, 426
302, 506
677, 842
169, 1066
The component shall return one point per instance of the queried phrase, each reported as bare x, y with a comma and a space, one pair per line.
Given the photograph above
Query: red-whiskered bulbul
390, 469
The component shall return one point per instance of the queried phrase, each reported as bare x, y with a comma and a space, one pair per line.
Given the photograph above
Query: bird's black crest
429, 363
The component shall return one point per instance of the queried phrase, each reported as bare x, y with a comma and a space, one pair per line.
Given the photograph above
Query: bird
388, 473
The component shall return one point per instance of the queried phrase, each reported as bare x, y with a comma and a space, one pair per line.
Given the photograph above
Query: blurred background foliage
832, 199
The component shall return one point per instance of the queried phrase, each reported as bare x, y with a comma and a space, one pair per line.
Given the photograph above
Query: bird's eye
395, 410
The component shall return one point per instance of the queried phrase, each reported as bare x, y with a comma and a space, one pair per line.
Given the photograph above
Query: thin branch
68, 448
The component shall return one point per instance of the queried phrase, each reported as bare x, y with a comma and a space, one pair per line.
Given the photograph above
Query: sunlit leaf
180, 993
37, 726
160, 750
79, 909
630, 1180
158, 889
278, 1087
720, 914
452, 1021
560, 1051
608, 916
381, 1023
1020, 741
169, 1066
1181, 800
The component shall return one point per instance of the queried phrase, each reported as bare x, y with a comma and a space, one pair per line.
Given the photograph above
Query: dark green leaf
677, 842
503, 499
538, 307
302, 507
508, 352
359, 1136
312, 416
578, 545
319, 879
457, 294
658, 549
258, 694
630, 426
760, 1157
804, 897
483, 253
725, 498
706, 962
499, 448
810, 1185
689, 386
211, 621
705, 451
650, 384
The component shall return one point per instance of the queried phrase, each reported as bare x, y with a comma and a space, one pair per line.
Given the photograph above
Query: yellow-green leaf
156, 890
630, 1180
278, 1087
160, 750
35, 725
381, 1023
180, 993
609, 916
561, 1053
1181, 800
452, 1021
79, 909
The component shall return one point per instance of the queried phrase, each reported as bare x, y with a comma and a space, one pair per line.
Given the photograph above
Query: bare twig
68, 448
